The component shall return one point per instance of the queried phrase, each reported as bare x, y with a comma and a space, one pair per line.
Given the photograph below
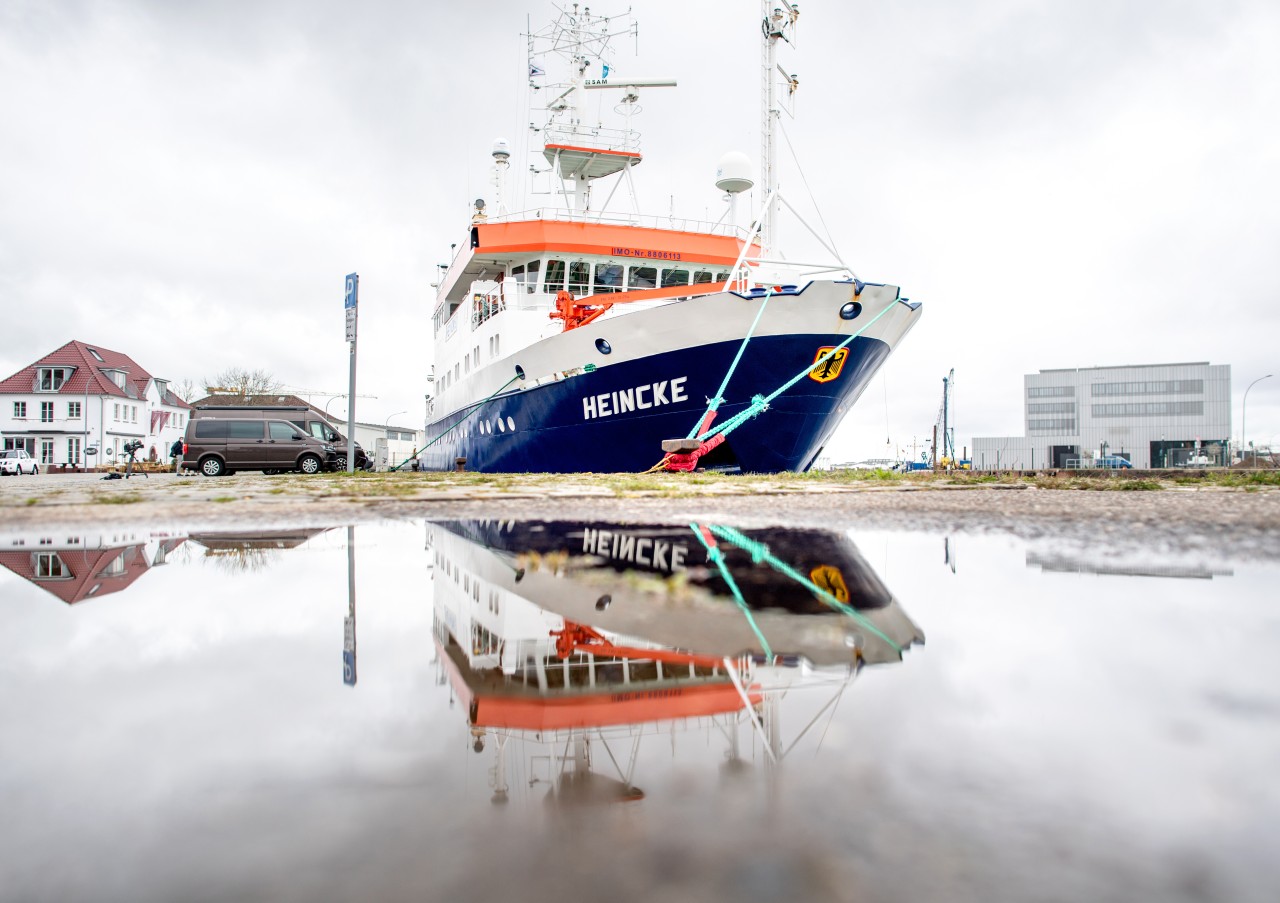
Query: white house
83, 397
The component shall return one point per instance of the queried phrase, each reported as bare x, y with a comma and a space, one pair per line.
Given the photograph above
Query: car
1115, 462
303, 418
16, 461
215, 446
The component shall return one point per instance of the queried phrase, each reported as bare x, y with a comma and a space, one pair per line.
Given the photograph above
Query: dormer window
51, 378
117, 377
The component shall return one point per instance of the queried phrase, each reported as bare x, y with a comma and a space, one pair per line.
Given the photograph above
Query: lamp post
387, 428
331, 401
1244, 437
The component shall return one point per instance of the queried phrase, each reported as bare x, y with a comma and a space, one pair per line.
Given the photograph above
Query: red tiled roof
85, 567
88, 376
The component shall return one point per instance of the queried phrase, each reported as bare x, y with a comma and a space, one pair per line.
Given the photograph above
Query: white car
16, 461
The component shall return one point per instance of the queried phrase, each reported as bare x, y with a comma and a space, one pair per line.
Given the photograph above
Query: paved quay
1240, 521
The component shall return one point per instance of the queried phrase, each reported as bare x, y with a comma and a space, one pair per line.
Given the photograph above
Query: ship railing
620, 140
651, 221
485, 305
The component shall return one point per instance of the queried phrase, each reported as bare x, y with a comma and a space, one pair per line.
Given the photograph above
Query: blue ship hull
564, 427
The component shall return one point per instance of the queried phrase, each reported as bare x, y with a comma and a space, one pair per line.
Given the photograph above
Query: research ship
580, 337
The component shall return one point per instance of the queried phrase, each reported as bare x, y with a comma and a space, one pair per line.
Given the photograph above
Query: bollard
459, 465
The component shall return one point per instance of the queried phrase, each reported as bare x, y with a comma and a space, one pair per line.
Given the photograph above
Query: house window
115, 567
46, 412
20, 409
116, 415
97, 357
52, 378
73, 410
73, 450
50, 566
46, 451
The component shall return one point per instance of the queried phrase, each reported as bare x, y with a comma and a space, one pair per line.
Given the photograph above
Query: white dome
501, 149
733, 173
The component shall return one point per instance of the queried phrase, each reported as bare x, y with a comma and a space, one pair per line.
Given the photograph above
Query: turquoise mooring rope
760, 552
760, 403
715, 555
714, 403
465, 411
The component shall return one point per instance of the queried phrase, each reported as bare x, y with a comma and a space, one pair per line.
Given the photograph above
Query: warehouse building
1150, 416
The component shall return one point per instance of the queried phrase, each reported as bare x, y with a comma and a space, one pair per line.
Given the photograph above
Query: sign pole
349, 304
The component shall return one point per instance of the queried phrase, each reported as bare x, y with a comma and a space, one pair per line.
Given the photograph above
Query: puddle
467, 709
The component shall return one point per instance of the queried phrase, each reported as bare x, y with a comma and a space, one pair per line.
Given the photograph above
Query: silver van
217, 445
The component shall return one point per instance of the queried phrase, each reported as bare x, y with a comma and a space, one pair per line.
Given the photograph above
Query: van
305, 418
217, 445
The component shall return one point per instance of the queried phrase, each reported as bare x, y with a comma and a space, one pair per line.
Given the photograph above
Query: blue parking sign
353, 290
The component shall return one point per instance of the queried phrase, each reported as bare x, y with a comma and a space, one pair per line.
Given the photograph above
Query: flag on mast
535, 69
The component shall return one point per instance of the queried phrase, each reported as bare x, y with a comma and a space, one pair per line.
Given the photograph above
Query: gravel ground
1237, 523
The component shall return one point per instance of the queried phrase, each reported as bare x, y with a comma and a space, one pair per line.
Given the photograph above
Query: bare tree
184, 389
242, 383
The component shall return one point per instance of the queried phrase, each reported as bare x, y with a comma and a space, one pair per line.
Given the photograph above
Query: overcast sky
1061, 184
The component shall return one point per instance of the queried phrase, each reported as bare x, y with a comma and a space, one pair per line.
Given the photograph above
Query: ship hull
614, 417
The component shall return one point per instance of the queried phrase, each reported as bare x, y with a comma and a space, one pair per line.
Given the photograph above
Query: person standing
176, 451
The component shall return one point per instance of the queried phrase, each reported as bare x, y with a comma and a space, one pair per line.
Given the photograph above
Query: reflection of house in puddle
75, 566
574, 637
1117, 565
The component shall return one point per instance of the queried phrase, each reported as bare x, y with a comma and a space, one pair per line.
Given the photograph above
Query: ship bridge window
702, 277
722, 277
553, 278
608, 278
642, 277
526, 276
674, 277
579, 277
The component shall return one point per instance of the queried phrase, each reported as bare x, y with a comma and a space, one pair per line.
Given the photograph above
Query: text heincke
636, 398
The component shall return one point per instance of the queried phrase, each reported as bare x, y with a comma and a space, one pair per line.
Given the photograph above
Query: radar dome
501, 149
733, 173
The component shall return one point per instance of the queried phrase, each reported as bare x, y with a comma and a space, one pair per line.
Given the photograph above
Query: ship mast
778, 22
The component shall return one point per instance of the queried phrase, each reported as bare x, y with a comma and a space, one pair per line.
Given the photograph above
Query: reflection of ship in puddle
79, 565
575, 635
1112, 564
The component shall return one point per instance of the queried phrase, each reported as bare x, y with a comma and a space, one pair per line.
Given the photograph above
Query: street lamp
331, 401
387, 429
1243, 411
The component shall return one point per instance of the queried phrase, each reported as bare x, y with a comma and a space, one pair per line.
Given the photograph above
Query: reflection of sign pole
349, 624
349, 305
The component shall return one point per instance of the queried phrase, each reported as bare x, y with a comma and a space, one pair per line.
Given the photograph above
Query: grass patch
31, 502
223, 498
124, 498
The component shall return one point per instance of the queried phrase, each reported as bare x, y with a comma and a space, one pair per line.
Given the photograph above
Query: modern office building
1152, 416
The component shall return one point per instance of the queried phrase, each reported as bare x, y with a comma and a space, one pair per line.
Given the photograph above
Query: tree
243, 383
184, 389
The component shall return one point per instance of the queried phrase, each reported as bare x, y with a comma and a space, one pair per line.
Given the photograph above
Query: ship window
674, 277
608, 278
533, 276
554, 277
722, 277
579, 277
517, 273
702, 277
642, 277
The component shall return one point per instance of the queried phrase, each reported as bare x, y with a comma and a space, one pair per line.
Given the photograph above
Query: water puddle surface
550, 710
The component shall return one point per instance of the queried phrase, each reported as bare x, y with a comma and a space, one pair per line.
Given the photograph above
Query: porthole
511, 424
502, 427
851, 310
603, 346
